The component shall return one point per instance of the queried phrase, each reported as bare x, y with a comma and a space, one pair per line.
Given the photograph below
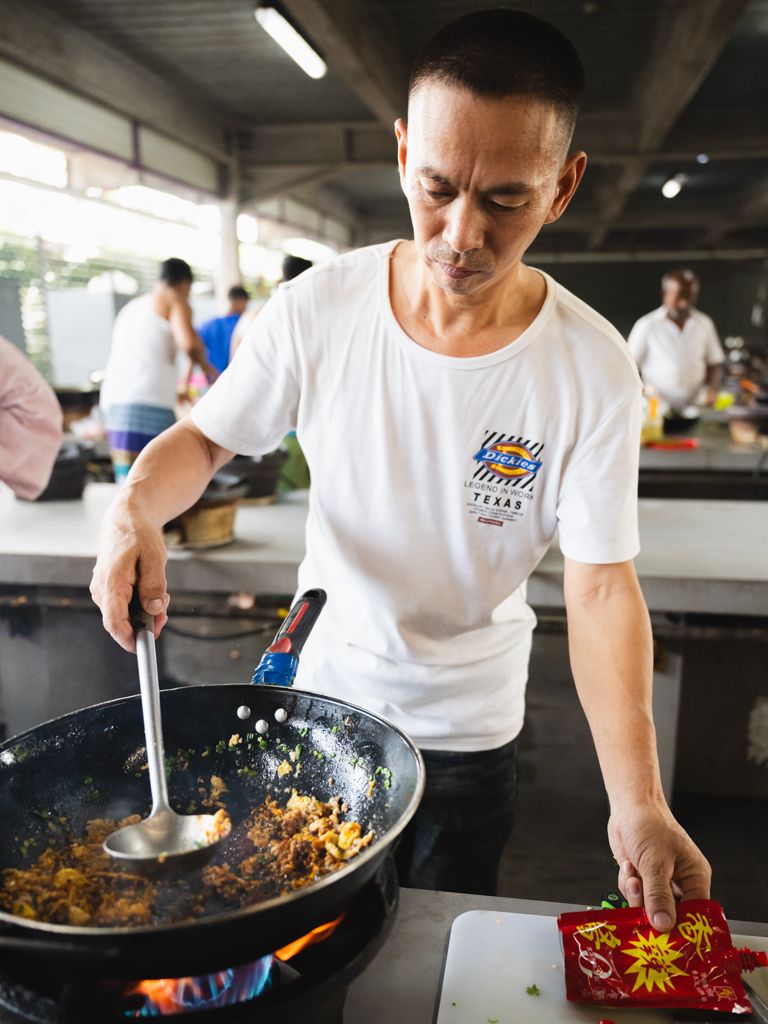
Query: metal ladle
164, 835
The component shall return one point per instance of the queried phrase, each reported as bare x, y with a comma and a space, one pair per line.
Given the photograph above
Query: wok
85, 765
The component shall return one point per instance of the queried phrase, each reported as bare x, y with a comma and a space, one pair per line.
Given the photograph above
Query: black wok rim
377, 848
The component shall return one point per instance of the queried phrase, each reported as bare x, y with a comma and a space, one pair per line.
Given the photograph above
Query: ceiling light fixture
295, 45
673, 185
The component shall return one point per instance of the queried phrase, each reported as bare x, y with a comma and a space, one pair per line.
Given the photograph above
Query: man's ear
571, 174
401, 133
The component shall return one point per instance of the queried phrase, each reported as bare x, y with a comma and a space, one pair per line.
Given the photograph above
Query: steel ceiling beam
356, 45
47, 44
608, 137
273, 156
690, 36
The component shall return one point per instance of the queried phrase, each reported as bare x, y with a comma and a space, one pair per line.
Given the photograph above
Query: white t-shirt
141, 369
672, 361
420, 531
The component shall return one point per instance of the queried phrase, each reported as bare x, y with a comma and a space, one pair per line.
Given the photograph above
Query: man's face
238, 306
678, 297
481, 177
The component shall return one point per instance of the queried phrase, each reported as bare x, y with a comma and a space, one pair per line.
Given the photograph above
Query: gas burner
306, 981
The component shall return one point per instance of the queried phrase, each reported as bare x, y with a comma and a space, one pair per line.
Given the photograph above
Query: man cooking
456, 407
676, 347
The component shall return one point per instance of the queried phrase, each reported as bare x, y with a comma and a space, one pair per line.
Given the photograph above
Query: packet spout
751, 959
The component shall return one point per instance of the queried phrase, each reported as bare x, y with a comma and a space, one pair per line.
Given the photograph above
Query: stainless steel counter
403, 983
714, 453
697, 556
717, 469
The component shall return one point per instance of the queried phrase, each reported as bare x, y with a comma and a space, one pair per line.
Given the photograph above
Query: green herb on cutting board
533, 990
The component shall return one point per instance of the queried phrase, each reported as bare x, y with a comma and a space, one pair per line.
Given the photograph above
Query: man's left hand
658, 862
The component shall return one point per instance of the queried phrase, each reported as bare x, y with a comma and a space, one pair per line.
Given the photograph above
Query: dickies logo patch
502, 484
508, 461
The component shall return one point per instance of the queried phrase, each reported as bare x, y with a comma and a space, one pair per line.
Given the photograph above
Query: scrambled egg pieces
274, 851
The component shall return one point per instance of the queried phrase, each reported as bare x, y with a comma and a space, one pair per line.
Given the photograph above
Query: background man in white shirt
676, 347
456, 407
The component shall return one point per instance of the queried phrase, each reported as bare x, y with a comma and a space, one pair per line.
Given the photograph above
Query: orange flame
319, 934
166, 994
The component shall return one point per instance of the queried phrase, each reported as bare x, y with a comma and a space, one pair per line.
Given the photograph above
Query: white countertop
403, 982
708, 556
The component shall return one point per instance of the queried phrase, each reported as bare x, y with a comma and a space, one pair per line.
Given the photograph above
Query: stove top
308, 986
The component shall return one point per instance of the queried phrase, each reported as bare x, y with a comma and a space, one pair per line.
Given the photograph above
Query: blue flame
212, 991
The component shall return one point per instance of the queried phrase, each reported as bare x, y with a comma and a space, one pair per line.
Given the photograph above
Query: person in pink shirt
30, 424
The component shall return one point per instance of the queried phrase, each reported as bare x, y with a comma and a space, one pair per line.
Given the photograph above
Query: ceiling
667, 80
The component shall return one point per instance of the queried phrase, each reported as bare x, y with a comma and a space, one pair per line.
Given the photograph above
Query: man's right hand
132, 553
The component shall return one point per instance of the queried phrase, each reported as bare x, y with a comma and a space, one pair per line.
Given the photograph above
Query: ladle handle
139, 618
143, 624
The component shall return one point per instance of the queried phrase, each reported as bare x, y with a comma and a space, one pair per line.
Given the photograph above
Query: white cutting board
492, 959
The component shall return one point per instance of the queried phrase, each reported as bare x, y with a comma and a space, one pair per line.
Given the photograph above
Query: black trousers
457, 836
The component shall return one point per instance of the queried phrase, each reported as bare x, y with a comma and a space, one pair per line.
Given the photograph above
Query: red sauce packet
617, 958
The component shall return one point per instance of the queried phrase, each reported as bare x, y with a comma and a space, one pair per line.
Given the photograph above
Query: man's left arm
611, 651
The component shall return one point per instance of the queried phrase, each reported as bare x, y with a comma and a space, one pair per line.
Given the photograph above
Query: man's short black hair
503, 52
237, 292
175, 271
293, 266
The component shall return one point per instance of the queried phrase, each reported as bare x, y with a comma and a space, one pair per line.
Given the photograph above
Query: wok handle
281, 659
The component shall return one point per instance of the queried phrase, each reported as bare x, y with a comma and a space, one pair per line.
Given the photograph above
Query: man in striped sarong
139, 391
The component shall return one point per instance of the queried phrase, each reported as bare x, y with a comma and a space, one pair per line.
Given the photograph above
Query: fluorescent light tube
286, 36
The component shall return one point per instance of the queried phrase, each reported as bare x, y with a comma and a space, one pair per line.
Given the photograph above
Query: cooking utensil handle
143, 624
138, 617
281, 659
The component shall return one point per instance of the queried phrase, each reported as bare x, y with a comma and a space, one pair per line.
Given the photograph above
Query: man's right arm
167, 478
187, 339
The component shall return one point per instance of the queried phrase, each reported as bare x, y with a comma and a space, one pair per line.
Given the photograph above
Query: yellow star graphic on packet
654, 965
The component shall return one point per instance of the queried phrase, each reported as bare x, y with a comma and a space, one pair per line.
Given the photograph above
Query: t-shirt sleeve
254, 403
597, 507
